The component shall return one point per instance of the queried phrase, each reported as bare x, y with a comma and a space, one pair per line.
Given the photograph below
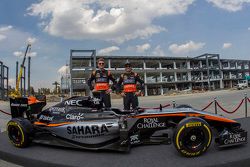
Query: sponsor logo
190, 153
124, 142
73, 102
57, 110
103, 79
134, 139
12, 123
46, 118
77, 117
87, 131
235, 138
96, 101
193, 124
18, 105
151, 123
129, 80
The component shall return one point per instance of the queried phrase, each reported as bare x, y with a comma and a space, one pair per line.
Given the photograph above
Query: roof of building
149, 57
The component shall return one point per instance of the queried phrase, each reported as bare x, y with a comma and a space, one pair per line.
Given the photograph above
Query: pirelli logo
193, 124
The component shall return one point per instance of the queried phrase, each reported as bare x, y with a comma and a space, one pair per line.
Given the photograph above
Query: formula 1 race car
82, 122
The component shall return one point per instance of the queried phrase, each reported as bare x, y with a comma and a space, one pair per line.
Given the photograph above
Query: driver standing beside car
130, 92
102, 78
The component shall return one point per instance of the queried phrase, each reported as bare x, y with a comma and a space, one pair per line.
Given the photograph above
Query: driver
101, 78
130, 92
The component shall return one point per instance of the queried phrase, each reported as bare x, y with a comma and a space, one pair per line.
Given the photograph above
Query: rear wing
28, 105
18, 106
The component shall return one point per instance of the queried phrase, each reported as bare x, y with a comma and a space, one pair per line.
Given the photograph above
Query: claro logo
77, 117
73, 103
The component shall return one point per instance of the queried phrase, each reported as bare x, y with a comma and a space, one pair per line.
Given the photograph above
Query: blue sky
118, 27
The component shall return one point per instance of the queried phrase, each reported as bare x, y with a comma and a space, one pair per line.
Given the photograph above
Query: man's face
128, 68
101, 64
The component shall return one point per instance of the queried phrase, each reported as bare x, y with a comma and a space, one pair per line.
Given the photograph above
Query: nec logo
73, 103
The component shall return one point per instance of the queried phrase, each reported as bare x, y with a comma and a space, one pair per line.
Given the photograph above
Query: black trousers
130, 99
105, 98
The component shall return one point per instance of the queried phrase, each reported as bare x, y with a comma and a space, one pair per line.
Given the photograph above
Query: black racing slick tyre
192, 137
19, 132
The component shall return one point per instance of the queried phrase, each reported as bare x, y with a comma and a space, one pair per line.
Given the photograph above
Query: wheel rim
194, 139
15, 134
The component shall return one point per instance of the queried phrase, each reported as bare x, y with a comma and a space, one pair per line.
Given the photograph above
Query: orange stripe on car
52, 124
207, 117
220, 119
158, 115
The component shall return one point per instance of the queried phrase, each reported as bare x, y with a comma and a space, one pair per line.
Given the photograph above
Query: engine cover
90, 132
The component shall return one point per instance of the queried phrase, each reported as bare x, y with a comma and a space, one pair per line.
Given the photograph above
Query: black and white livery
82, 122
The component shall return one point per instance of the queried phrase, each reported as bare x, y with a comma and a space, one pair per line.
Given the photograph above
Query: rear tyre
192, 137
19, 132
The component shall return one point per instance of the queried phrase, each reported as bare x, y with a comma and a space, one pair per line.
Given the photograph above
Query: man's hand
91, 88
123, 94
137, 93
108, 91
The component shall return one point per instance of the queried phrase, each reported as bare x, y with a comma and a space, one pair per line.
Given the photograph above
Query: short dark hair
100, 59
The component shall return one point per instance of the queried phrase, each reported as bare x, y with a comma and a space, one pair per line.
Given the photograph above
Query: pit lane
140, 156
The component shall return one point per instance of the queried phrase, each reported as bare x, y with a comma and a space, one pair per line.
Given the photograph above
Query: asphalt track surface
140, 156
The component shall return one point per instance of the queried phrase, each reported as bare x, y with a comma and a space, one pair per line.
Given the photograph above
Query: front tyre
192, 137
19, 131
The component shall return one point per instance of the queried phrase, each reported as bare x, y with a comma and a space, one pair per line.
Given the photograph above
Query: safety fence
1, 111
244, 100
217, 106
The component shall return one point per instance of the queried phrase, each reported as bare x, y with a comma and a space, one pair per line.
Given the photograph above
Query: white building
162, 74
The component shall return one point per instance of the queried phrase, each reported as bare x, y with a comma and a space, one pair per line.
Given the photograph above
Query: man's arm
91, 78
110, 76
138, 79
119, 84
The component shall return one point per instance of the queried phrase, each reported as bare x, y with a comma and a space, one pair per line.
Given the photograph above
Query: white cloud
18, 54
5, 28
21, 54
227, 45
229, 5
2, 37
32, 54
63, 70
12, 36
108, 50
31, 40
185, 48
3, 31
158, 51
142, 48
110, 20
